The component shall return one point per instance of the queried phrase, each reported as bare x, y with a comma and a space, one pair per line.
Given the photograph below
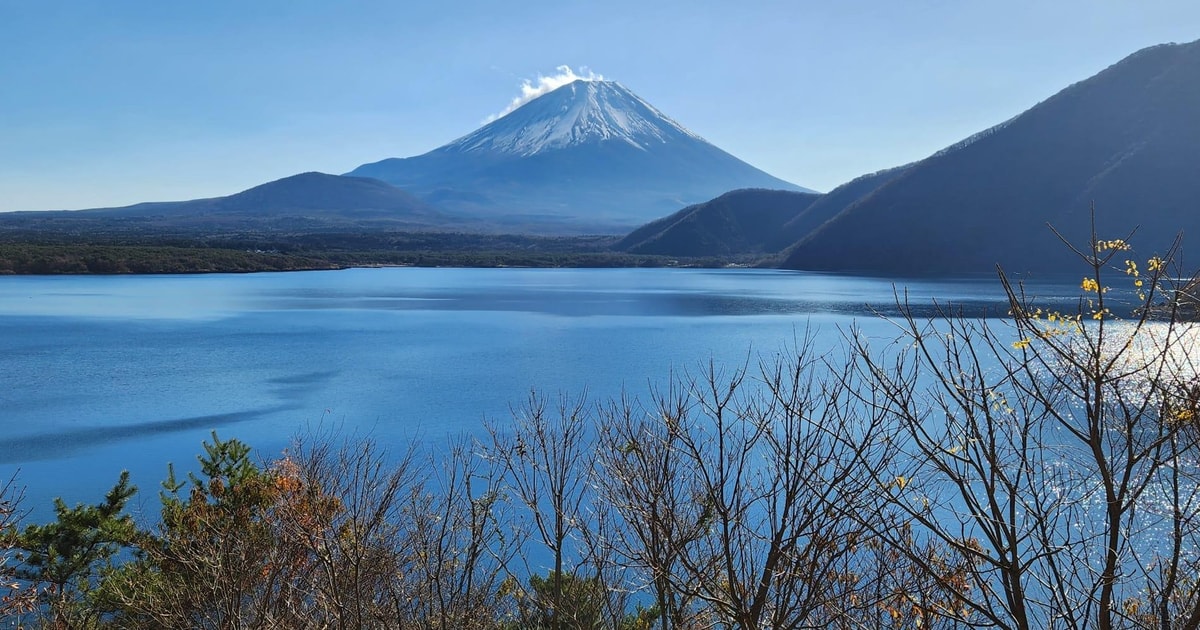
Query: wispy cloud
543, 84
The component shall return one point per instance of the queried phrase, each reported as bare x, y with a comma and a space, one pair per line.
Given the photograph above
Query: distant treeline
115, 259
142, 253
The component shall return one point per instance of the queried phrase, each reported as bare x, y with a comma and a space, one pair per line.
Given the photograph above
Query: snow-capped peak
581, 112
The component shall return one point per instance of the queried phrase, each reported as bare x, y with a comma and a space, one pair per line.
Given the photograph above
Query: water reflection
66, 442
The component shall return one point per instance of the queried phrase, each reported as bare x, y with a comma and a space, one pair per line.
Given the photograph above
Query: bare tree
775, 464
648, 481
546, 457
348, 510
18, 598
460, 550
1050, 456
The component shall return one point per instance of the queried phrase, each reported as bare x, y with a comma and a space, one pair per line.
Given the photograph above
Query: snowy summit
580, 112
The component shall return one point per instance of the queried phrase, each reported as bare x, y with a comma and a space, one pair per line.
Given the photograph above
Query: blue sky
118, 101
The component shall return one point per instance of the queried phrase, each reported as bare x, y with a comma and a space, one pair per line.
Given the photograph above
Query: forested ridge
46, 254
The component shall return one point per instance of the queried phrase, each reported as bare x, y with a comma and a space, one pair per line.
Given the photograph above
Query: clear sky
114, 102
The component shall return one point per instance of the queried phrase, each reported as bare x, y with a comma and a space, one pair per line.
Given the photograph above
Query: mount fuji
589, 155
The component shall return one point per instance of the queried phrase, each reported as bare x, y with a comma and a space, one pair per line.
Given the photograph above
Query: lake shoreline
104, 259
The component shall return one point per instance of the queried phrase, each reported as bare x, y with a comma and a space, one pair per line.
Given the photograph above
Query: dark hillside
749, 221
1127, 139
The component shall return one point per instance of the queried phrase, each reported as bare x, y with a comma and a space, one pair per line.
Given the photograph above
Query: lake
104, 373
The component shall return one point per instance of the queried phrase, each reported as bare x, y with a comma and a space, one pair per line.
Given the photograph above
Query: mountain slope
588, 153
321, 192
833, 202
1127, 139
748, 221
303, 200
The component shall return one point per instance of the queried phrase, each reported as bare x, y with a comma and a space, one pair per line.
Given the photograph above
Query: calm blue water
102, 374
